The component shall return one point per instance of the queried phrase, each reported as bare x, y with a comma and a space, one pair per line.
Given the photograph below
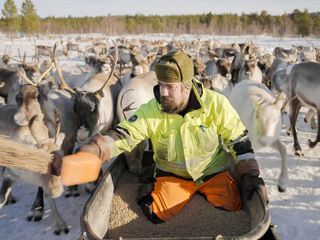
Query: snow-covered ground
296, 213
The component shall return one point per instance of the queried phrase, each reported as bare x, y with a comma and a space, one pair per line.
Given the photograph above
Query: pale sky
63, 8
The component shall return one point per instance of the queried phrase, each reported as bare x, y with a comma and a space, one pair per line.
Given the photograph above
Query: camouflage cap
174, 67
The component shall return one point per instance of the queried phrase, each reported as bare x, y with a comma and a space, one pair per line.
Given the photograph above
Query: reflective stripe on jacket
190, 146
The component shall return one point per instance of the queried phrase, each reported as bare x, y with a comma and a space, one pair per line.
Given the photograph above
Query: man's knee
146, 205
144, 199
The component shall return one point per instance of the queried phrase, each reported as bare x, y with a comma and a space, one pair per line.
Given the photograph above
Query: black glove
250, 183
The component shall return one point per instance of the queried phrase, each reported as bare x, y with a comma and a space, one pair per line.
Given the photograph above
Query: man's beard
169, 106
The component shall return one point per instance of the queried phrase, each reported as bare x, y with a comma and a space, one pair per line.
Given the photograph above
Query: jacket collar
196, 93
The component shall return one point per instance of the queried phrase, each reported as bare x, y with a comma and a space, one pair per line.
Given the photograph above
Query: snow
296, 212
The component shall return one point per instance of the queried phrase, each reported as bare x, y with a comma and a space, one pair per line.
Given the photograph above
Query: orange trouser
171, 194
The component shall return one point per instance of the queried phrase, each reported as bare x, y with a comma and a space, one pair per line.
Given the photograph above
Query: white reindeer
137, 91
260, 112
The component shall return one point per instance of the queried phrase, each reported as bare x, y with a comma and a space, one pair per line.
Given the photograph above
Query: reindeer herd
48, 107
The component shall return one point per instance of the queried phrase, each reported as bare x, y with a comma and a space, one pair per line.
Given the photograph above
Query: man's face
173, 97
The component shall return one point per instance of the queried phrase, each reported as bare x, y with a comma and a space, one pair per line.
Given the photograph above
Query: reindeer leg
5, 193
309, 118
284, 106
313, 123
90, 187
36, 211
283, 177
284, 112
312, 144
68, 192
289, 131
10, 198
134, 158
72, 191
58, 223
295, 106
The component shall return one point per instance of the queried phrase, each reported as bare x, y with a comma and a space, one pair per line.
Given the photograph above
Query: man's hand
97, 146
250, 183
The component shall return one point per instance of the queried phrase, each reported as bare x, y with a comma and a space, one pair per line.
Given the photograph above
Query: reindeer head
250, 66
199, 67
224, 67
268, 119
87, 104
98, 63
87, 107
28, 96
28, 105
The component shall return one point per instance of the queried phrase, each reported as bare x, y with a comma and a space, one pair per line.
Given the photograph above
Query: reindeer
25, 122
307, 54
52, 99
96, 64
218, 83
265, 63
137, 91
42, 50
250, 70
260, 112
218, 75
289, 55
236, 63
71, 46
278, 78
199, 68
124, 56
10, 78
95, 104
303, 86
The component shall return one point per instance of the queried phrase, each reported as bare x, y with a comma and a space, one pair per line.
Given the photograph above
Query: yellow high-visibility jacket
190, 146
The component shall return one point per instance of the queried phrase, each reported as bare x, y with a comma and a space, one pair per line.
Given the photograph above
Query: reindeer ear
230, 59
99, 94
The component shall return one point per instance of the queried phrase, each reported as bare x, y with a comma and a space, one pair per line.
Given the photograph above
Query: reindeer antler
58, 124
16, 60
45, 72
114, 60
23, 75
63, 84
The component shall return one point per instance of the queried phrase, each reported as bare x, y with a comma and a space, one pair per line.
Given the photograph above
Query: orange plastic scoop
81, 167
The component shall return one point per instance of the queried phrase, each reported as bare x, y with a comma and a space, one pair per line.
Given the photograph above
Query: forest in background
23, 20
